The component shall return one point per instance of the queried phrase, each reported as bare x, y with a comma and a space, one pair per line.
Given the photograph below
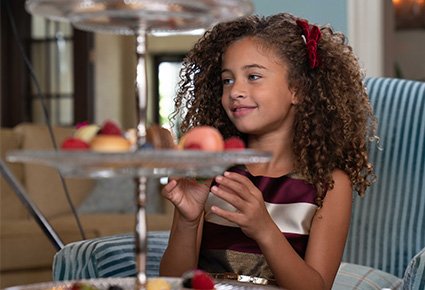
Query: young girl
293, 89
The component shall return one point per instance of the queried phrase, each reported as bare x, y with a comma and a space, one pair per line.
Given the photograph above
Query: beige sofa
26, 253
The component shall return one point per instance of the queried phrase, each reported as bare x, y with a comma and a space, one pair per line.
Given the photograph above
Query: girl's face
255, 91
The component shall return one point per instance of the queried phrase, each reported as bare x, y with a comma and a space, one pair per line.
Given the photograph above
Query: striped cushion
351, 276
388, 224
107, 257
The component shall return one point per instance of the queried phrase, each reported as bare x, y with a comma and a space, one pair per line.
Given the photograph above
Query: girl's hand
251, 215
188, 196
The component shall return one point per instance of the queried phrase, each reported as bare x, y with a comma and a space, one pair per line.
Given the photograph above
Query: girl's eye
253, 77
227, 81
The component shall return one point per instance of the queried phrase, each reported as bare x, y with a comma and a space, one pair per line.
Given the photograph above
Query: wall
320, 12
409, 53
371, 34
380, 47
108, 77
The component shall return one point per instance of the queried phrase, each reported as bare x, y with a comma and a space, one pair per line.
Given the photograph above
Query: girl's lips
242, 111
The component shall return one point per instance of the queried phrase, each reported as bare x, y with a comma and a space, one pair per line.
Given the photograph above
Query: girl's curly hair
333, 117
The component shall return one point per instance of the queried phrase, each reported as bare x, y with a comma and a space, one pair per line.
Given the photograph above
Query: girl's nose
238, 91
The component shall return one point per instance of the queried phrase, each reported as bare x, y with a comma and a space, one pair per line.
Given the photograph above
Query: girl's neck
283, 157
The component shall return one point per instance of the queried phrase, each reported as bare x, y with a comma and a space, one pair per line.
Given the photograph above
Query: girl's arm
188, 197
325, 247
182, 252
327, 235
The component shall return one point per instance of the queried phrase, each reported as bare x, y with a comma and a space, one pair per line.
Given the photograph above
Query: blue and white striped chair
387, 226
108, 257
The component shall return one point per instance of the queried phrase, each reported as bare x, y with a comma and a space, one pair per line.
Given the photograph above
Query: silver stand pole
141, 100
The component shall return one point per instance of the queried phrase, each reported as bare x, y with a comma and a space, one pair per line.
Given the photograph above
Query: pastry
160, 137
204, 138
158, 284
110, 143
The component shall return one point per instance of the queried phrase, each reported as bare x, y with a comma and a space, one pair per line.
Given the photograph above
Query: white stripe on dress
292, 218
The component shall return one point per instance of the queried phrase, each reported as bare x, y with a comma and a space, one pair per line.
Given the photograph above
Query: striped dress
225, 248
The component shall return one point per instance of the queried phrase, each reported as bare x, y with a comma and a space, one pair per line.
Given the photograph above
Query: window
168, 68
61, 59
52, 59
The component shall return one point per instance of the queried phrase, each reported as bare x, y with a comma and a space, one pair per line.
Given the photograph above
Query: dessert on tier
209, 139
111, 138
106, 138
196, 279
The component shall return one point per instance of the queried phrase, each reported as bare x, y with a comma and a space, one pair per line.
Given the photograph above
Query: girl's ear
294, 98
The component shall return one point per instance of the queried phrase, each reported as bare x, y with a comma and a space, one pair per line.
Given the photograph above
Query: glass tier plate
133, 16
128, 284
190, 163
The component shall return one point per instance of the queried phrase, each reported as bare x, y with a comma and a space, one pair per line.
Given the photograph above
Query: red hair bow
312, 37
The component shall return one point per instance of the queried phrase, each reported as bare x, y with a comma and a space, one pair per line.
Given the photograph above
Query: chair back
388, 224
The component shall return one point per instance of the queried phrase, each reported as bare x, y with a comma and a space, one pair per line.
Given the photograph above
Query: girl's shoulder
340, 176
342, 188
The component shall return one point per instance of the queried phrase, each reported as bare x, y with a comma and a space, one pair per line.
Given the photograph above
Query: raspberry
74, 144
202, 281
234, 143
110, 128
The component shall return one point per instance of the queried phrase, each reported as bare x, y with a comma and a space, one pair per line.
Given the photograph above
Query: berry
72, 143
110, 128
234, 143
202, 281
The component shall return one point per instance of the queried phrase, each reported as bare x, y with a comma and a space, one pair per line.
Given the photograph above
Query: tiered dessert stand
140, 17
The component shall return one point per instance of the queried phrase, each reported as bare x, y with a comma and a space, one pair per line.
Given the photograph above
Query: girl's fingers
228, 215
227, 196
241, 179
237, 183
171, 185
166, 191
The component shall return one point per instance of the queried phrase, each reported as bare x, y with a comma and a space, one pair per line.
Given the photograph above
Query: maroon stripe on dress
218, 237
281, 190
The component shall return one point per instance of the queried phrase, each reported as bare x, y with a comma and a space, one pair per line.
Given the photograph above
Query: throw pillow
352, 276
